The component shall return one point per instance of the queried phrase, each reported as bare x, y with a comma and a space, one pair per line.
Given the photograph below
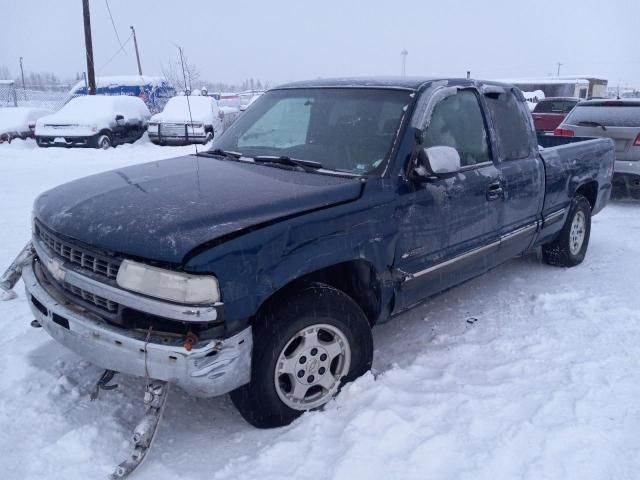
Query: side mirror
436, 161
119, 118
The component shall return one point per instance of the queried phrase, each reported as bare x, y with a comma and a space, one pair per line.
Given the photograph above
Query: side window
285, 124
457, 122
511, 124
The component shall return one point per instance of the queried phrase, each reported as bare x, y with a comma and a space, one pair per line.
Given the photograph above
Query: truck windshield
344, 129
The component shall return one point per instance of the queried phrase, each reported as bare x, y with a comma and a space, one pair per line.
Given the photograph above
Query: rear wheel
570, 248
305, 348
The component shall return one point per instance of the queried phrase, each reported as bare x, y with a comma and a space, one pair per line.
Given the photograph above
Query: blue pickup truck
260, 266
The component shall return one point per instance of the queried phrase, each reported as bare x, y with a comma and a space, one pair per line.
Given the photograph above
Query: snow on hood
98, 109
16, 119
203, 109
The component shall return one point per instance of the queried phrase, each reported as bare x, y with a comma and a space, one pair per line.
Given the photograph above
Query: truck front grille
78, 256
177, 130
98, 301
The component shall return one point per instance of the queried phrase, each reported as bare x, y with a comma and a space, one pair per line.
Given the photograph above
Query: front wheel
305, 349
103, 141
570, 248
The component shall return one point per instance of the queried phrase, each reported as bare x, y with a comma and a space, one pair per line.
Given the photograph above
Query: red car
550, 112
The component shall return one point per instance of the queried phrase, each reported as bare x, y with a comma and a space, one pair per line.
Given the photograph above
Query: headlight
168, 285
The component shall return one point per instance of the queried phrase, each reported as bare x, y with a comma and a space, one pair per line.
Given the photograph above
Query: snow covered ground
529, 372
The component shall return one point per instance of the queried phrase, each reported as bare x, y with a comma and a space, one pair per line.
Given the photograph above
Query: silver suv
618, 120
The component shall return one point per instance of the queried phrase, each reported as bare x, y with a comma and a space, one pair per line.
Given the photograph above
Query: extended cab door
520, 166
449, 224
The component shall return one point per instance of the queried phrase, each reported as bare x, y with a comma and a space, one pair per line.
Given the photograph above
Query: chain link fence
8, 95
51, 97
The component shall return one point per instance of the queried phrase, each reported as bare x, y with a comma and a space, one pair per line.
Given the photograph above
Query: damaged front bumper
212, 367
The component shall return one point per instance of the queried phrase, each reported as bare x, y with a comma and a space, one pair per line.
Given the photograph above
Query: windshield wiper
218, 152
589, 123
306, 165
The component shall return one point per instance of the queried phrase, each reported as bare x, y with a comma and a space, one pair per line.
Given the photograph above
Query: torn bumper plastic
11, 276
212, 367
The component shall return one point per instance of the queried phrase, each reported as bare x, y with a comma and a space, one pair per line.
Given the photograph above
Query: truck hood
162, 210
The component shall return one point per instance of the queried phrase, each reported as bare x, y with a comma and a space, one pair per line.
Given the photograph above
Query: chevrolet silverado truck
260, 266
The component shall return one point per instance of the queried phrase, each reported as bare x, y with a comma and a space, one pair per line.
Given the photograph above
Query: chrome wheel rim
311, 365
104, 143
577, 233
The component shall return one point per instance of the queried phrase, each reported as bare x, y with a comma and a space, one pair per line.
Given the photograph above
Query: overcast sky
282, 40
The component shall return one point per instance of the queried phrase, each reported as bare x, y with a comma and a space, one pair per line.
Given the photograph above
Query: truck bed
586, 160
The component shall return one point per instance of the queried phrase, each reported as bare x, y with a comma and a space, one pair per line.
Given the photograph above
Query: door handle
495, 191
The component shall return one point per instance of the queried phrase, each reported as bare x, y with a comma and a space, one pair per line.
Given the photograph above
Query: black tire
103, 141
41, 144
559, 253
314, 304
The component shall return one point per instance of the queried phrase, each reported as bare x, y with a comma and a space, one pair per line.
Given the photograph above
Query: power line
113, 23
115, 54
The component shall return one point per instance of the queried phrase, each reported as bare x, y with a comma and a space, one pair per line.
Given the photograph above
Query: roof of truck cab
411, 83
397, 82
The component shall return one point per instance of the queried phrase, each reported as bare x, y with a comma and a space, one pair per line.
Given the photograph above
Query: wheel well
590, 192
356, 278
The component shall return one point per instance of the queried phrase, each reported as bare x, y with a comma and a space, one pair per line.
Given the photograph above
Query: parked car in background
549, 113
19, 122
618, 120
187, 119
99, 121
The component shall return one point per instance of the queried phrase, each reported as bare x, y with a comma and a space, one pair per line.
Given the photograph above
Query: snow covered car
99, 121
19, 122
260, 266
188, 119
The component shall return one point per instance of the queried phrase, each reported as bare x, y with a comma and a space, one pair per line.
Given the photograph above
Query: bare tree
175, 75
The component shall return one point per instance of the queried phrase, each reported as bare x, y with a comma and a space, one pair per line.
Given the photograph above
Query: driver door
449, 223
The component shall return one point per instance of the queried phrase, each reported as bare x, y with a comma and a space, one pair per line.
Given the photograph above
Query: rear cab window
512, 122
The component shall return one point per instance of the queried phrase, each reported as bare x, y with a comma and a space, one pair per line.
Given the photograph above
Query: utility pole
135, 44
89, 47
404, 54
559, 65
22, 73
